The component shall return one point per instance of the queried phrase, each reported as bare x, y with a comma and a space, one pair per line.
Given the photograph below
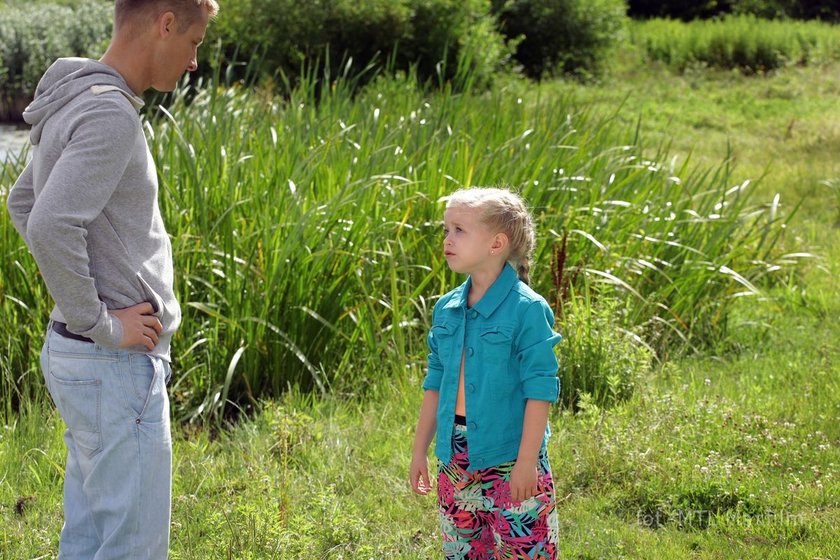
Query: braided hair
503, 211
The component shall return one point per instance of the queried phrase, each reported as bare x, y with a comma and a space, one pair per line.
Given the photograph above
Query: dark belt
61, 328
460, 420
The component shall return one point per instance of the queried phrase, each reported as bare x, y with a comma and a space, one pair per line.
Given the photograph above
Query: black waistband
460, 420
61, 328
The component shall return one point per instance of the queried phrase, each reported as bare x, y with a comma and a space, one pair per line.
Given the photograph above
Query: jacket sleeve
80, 184
434, 372
535, 353
21, 199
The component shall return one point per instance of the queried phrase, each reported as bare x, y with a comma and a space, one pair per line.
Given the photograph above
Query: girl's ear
500, 242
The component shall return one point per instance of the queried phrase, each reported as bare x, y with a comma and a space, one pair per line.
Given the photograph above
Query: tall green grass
746, 43
23, 301
306, 230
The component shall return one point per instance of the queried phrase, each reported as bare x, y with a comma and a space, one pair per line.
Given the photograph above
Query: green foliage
32, 36
688, 508
827, 10
454, 39
19, 3
743, 42
21, 381
562, 36
677, 9
833, 185
282, 35
444, 39
770, 9
599, 358
308, 249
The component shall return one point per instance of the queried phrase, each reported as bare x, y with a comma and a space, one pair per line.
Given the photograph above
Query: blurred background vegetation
467, 43
353, 118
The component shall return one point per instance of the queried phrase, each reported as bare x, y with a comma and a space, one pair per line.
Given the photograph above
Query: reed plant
306, 230
23, 304
746, 43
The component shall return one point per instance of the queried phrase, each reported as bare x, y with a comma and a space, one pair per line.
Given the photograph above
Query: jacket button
473, 314
470, 351
472, 426
471, 388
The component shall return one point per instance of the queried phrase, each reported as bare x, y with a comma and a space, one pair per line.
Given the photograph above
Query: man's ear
166, 24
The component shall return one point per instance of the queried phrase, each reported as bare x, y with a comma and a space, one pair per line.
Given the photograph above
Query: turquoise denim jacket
507, 342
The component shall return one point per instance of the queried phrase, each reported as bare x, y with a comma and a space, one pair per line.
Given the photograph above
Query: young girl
492, 376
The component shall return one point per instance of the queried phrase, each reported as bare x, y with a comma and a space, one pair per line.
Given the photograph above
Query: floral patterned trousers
478, 518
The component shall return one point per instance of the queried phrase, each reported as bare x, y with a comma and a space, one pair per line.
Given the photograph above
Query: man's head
137, 14
156, 41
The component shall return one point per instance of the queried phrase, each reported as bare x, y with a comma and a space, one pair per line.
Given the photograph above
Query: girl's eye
459, 230
445, 231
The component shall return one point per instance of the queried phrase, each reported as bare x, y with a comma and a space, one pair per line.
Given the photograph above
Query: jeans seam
80, 356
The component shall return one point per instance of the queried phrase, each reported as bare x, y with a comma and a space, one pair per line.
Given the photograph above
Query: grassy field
732, 453
745, 43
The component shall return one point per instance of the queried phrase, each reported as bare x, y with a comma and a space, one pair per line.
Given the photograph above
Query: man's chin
165, 88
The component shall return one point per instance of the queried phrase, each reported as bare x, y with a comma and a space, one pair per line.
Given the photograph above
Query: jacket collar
494, 296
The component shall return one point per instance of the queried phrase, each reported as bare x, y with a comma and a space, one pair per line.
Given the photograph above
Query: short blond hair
503, 211
187, 12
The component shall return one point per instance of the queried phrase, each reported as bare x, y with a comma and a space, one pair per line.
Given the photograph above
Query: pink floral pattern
477, 517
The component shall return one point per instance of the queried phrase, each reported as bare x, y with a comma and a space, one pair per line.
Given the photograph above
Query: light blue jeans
118, 478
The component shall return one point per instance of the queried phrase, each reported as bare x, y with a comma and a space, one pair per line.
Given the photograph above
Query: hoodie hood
64, 81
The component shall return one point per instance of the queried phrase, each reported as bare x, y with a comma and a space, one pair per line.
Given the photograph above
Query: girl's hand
419, 474
523, 481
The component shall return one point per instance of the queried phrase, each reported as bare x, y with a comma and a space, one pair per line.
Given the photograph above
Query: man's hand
140, 326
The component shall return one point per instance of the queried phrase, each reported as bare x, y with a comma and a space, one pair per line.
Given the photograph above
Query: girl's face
467, 242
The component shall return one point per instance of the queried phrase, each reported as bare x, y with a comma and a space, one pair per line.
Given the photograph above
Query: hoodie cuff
107, 331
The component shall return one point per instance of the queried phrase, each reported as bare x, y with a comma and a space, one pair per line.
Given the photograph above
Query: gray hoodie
87, 204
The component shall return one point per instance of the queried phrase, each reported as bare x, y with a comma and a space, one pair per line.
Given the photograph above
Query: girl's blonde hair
505, 212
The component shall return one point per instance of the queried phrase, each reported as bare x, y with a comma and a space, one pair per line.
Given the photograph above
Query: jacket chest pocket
496, 351
444, 337
496, 343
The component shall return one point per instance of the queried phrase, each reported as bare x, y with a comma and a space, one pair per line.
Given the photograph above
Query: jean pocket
79, 402
145, 389
138, 380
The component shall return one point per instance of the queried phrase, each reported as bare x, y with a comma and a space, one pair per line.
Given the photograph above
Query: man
87, 207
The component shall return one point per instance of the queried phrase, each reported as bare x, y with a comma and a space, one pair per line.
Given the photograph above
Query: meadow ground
732, 454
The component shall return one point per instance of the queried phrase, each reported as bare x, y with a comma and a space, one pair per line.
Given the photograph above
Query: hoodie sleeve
99, 146
21, 199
